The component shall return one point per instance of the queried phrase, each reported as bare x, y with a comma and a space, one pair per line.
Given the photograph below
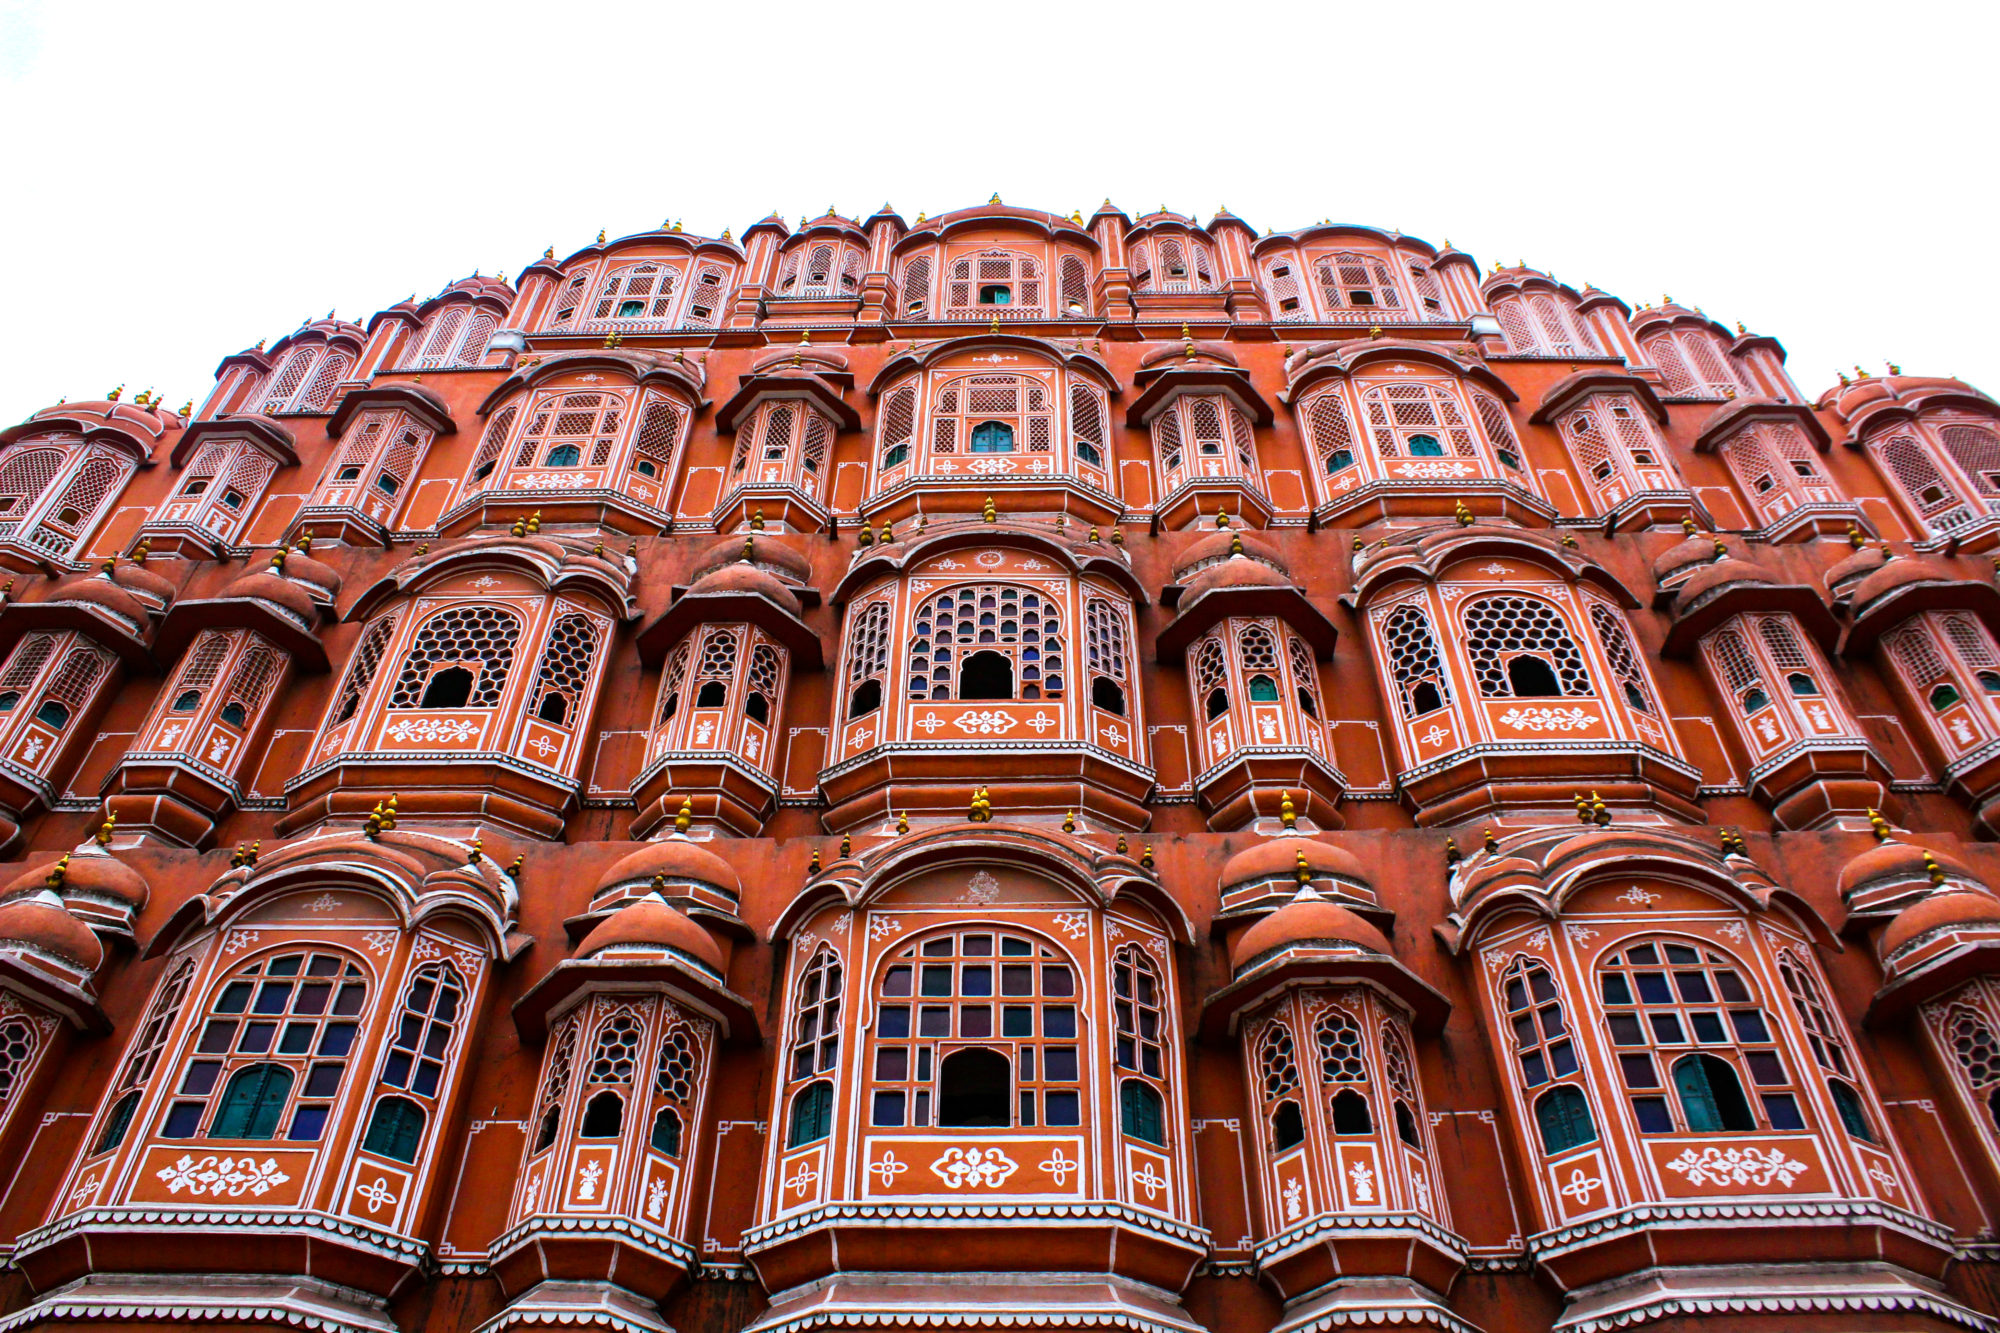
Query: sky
178, 181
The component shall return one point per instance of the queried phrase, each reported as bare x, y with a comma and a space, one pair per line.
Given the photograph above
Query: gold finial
1288, 814
846, 846
304, 543
805, 337
1374, 330
613, 338
1062, 522
684, 817
1069, 821
866, 537
105, 830
1688, 527
1721, 550
520, 528
549, 253
813, 868
1600, 814
1301, 871
658, 885
1489, 841
1569, 540
1732, 840
1093, 537
749, 550
1894, 369
1854, 538
988, 512
534, 522
1358, 543
1879, 825
600, 235
1934, 870
187, 408
115, 394
903, 818
56, 873
372, 829
1146, 856
1859, 373
1221, 515
1121, 844
389, 814
1117, 536
1582, 808
598, 550
236, 857
1452, 856
278, 560
886, 535
994, 326
476, 851
1461, 513
423, 548
514, 870
757, 519
995, 199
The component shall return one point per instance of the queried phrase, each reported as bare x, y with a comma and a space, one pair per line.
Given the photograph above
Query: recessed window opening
8, 700
1802, 685
1754, 699
1307, 705
1425, 446
631, 309
712, 695
188, 701
992, 437
867, 697
975, 1088
1350, 1113
1288, 1126
1943, 697
233, 713
195, 487
1218, 703
1141, 1112
386, 483
1425, 698
1532, 678
53, 715
449, 688
603, 1116
1263, 690
757, 708
986, 676
563, 455
1712, 1096
554, 708
666, 1135
1340, 460
1108, 695
996, 294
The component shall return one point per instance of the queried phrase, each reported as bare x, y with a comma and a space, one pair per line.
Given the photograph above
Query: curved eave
714, 608
686, 242
186, 619
1309, 966
72, 1003
1569, 390
674, 374
1682, 317
94, 430
1048, 226
1813, 614
1758, 342
496, 300
1173, 381
753, 389
1330, 230
1898, 604
1213, 606
554, 569
1342, 359
18, 618
1933, 979
1733, 415
273, 438
686, 983
881, 563
350, 337
909, 362
428, 408
1426, 558
1905, 409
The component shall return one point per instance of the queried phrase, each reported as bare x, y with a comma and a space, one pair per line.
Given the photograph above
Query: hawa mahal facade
1003, 770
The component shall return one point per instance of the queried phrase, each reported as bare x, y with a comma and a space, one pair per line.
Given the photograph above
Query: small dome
1858, 565
1935, 912
1698, 549
302, 568
1308, 918
765, 553
1898, 862
743, 578
1900, 573
652, 922
265, 586
142, 582
1278, 858
1217, 546
1721, 574
40, 924
100, 591
94, 873
680, 860
1235, 573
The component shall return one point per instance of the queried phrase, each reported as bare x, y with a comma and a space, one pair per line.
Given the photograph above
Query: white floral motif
379, 942
449, 731
1422, 1186
882, 927
554, 481
1059, 1167
1434, 735
1433, 470
656, 1197
222, 1176
238, 941
986, 722
1548, 719
586, 1185
803, 1179
1493, 567
1581, 1187
1041, 722
1580, 934
1073, 924
326, 902
990, 559
486, 581
983, 888
1363, 1180
84, 1193
1293, 1189
1539, 939
842, 922
988, 1167
377, 1193
1638, 897
1150, 1181
1737, 1166
887, 1167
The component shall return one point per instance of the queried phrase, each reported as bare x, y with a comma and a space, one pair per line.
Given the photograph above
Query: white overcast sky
180, 180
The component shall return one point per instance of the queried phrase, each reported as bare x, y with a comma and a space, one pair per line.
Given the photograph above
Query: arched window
1211, 676
716, 671
1416, 421
636, 292
1343, 1069
1402, 1086
1562, 1116
1086, 424
993, 414
980, 283
970, 637
395, 1129
1687, 1006
1522, 641
811, 1114
1142, 1112
144, 1056
1278, 1078
816, 1017
1075, 281
362, 667
17, 1044
1544, 1048
555, 1082
992, 437
1105, 654
1306, 675
1828, 1042
1414, 661
1014, 995
475, 642
916, 288
673, 1088
1968, 1039
565, 669
562, 425
1348, 280
491, 444
868, 659
898, 426
614, 1060
1618, 649
275, 1042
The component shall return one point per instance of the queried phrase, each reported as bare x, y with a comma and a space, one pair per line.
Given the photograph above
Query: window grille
766, 671
1306, 675
1167, 439
1256, 650
491, 444
17, 1044
26, 473
1277, 1061
1915, 655
1019, 624
1937, 503
153, 1033
472, 347
1332, 437
899, 417
1413, 659
679, 1060
1210, 669
565, 668
640, 292
75, 682
1499, 430
1104, 633
816, 1018
1417, 421
672, 680
1086, 424
27, 660
422, 1037
434, 348
916, 288
868, 645
1521, 335
705, 300
65, 520
1972, 641
615, 1056
973, 275
562, 425
287, 378
361, 671
1075, 286
319, 392
480, 637
1138, 1003
1341, 1057
1358, 281
1829, 1048
1624, 658
1970, 1040
1976, 450
1429, 295
1499, 629
718, 657
562, 1062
